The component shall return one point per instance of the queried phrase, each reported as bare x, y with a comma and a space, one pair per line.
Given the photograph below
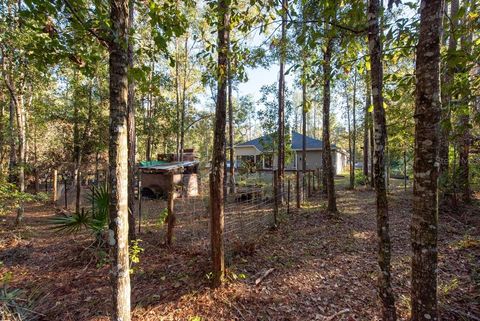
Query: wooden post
93, 199
319, 179
313, 181
297, 188
275, 198
54, 187
309, 182
170, 216
288, 196
37, 181
65, 189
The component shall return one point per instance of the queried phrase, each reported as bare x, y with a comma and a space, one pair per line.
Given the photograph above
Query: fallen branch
333, 316
267, 273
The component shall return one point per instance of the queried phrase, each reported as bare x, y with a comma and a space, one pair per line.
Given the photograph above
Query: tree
281, 103
218, 157
424, 225
366, 126
230, 125
14, 72
131, 126
118, 159
327, 150
447, 90
384, 246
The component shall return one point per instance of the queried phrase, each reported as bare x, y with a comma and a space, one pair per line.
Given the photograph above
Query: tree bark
22, 142
118, 160
184, 100
131, 127
380, 136
77, 155
366, 127
327, 150
424, 224
12, 164
464, 121
218, 157
350, 151
447, 86
354, 118
281, 103
230, 125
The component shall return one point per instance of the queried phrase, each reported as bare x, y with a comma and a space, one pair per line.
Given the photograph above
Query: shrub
94, 219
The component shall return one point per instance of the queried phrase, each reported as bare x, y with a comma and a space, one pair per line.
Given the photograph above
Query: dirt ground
324, 268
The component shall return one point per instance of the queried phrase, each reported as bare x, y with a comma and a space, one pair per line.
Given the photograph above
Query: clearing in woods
323, 268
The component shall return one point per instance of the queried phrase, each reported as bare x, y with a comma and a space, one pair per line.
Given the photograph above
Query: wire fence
252, 210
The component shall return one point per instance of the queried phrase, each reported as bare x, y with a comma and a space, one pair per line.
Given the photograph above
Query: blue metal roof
297, 142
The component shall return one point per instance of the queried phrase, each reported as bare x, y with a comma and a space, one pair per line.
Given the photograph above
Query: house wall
340, 163
246, 150
314, 159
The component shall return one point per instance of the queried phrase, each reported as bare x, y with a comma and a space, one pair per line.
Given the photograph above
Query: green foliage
162, 218
95, 220
72, 224
360, 178
11, 197
134, 253
11, 306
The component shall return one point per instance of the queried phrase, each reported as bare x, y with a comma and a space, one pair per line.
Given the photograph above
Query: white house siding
246, 151
314, 159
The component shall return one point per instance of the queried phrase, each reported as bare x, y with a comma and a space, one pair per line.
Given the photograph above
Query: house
259, 152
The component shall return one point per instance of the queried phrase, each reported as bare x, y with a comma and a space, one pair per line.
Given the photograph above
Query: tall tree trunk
327, 150
304, 127
281, 103
447, 88
366, 126
148, 149
380, 137
372, 151
12, 164
2, 129
427, 136
131, 127
464, 121
350, 151
177, 96
184, 100
354, 118
218, 157
35, 161
230, 125
22, 142
77, 155
118, 161
304, 96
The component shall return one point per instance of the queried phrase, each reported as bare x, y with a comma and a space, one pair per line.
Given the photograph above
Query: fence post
170, 217
275, 198
54, 187
297, 187
65, 189
288, 196
309, 181
318, 179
